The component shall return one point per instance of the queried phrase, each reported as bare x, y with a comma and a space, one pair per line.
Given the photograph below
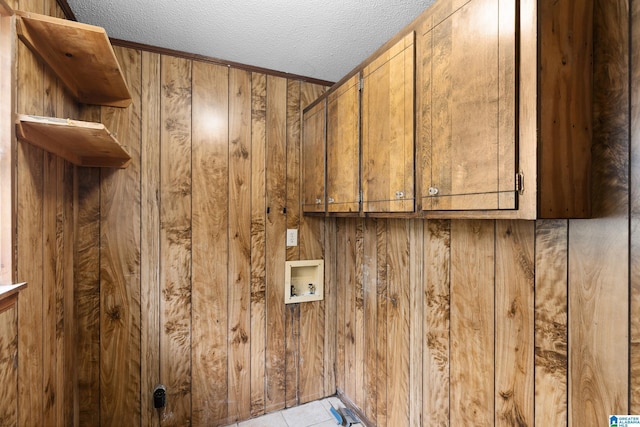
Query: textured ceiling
322, 39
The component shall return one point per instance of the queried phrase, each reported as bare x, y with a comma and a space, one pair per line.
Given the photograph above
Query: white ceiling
322, 39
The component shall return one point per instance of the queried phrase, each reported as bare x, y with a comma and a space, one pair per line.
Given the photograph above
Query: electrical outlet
292, 237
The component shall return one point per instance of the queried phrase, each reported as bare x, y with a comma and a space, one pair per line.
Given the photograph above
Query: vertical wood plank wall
169, 271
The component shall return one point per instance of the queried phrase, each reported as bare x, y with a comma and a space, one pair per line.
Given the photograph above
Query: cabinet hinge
520, 182
361, 84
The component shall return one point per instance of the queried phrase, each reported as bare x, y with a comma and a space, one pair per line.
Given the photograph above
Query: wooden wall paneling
150, 237
514, 323
370, 292
358, 327
436, 297
7, 145
239, 358
120, 261
210, 328
8, 365
551, 361
330, 307
348, 279
312, 328
598, 286
382, 394
275, 240
292, 311
312, 320
416, 315
398, 315
341, 299
87, 286
30, 245
50, 290
175, 239
292, 354
294, 94
634, 388
565, 73
472, 323
258, 245
67, 375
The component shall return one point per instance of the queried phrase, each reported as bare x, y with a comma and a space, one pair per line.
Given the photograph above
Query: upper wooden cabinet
313, 158
502, 113
343, 148
466, 85
504, 96
387, 130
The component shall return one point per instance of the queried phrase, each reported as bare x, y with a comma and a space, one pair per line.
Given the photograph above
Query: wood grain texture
472, 323
175, 239
311, 386
239, 281
120, 264
343, 148
49, 290
87, 293
313, 159
416, 315
275, 227
29, 221
471, 97
514, 323
150, 237
348, 279
551, 363
330, 307
436, 298
387, 130
599, 379
210, 252
7, 146
398, 333
369, 285
341, 291
634, 161
566, 64
8, 366
358, 310
292, 312
258, 243
382, 336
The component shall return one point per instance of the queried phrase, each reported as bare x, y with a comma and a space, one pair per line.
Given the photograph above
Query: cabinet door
343, 153
466, 106
387, 130
313, 160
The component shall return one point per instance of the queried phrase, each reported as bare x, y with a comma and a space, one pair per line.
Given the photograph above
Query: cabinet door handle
330, 200
318, 201
399, 194
433, 191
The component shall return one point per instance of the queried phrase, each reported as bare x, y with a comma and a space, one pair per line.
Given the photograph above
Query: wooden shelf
81, 143
79, 54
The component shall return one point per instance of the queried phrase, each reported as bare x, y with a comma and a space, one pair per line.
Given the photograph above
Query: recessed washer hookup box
303, 281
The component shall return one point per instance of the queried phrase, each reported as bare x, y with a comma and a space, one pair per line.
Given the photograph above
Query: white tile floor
312, 414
